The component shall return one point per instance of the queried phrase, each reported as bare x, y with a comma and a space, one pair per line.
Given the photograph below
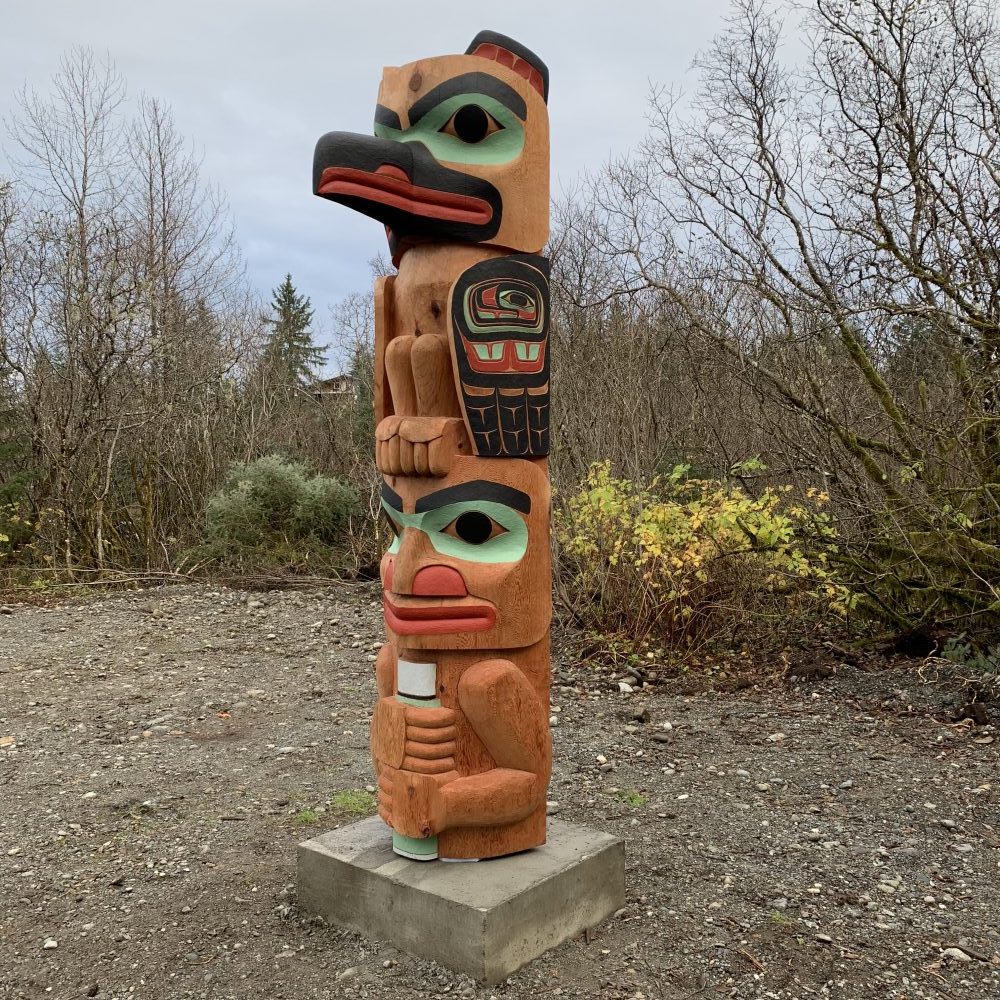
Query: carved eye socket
471, 124
474, 527
393, 527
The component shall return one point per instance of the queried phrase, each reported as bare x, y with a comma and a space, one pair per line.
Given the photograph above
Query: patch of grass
354, 802
631, 797
777, 917
305, 816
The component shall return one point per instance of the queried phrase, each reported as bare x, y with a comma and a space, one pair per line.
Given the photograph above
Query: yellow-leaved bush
687, 560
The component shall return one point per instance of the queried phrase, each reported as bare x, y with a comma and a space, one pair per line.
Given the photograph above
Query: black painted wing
500, 341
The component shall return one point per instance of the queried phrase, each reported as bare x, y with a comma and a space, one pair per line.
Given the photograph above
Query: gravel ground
162, 752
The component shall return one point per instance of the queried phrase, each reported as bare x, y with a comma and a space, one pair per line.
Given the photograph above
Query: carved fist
418, 805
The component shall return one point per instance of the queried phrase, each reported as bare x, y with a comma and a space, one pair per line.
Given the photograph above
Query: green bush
692, 561
275, 510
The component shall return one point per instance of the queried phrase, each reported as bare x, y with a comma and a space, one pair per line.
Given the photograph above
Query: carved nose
438, 581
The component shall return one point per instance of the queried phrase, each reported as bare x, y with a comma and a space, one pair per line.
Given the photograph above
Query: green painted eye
466, 128
473, 527
475, 530
470, 123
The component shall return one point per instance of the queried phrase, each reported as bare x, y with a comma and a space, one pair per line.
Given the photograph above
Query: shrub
276, 510
687, 561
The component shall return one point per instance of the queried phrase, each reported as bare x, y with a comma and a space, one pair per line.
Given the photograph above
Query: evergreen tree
362, 377
290, 351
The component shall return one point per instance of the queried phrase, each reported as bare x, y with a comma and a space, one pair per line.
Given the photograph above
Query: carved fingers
414, 751
411, 803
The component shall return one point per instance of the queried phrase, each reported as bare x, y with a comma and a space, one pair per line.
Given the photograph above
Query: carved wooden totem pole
458, 172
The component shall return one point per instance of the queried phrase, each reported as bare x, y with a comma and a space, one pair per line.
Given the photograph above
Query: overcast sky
254, 83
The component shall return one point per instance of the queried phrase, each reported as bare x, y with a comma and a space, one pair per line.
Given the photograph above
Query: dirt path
161, 754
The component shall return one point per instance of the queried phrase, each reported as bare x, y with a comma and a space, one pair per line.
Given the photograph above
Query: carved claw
419, 446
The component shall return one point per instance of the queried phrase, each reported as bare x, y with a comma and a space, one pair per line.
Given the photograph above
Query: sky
254, 83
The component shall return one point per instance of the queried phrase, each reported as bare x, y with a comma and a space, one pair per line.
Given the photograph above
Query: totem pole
458, 172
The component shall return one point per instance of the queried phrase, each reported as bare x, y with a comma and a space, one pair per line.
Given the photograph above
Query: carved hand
418, 808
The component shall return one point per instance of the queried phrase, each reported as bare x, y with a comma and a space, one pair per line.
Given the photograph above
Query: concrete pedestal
486, 918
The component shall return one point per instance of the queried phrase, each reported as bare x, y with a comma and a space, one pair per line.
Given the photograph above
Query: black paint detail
477, 489
519, 50
386, 116
507, 412
474, 527
391, 497
471, 123
367, 153
470, 83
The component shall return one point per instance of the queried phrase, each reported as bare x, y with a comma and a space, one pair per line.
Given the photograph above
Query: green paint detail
419, 702
492, 328
527, 352
507, 547
482, 351
425, 847
500, 147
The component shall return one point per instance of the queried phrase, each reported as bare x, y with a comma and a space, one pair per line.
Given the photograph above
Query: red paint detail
490, 51
387, 578
390, 170
438, 619
438, 581
386, 189
510, 362
489, 296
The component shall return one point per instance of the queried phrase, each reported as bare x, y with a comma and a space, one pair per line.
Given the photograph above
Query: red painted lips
411, 616
389, 185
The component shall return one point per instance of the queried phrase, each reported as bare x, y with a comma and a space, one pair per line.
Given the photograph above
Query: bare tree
832, 228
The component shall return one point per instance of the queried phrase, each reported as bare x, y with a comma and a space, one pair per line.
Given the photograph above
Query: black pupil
474, 527
471, 123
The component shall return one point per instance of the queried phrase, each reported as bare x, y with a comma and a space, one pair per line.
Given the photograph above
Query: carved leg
400, 372
430, 358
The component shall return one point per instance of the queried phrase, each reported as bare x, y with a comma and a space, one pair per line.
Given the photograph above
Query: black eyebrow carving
391, 497
388, 117
470, 83
478, 489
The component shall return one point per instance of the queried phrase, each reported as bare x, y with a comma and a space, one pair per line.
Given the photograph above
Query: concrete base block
486, 918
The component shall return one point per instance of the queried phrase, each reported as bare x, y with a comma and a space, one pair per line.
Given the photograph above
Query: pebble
849, 783
963, 848
740, 773
956, 955
824, 938
50, 943
776, 737
661, 737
